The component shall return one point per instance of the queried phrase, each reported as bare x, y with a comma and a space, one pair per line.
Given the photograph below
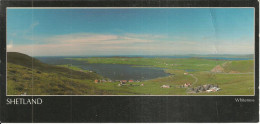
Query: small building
123, 81
142, 85
165, 86
213, 89
186, 73
130, 81
187, 85
96, 81
204, 88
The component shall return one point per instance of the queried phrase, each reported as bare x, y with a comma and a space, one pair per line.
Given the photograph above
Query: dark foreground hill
27, 75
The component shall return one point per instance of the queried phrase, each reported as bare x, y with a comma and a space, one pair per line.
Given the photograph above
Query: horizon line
188, 54
136, 55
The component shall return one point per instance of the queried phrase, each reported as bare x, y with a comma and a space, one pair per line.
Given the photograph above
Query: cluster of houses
124, 82
186, 85
102, 81
130, 85
204, 88
121, 81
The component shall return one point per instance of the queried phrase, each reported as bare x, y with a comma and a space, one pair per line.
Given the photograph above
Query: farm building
130, 81
213, 89
187, 85
123, 81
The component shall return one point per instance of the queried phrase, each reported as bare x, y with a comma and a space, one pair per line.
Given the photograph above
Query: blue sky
130, 31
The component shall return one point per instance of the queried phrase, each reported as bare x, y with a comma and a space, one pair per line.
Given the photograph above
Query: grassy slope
29, 62
54, 80
44, 79
231, 84
242, 66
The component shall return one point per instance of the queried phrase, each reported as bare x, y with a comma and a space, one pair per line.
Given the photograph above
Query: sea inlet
111, 71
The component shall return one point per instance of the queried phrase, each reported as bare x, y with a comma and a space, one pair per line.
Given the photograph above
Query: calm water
122, 71
111, 71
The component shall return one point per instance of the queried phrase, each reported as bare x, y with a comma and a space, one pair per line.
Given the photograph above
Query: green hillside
242, 66
27, 75
30, 62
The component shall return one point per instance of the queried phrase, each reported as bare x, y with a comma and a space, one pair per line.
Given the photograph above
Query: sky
130, 31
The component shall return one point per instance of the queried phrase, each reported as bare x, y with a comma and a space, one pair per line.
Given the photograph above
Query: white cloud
87, 39
78, 44
108, 44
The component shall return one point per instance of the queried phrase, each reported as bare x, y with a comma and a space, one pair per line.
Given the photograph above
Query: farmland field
237, 78
81, 76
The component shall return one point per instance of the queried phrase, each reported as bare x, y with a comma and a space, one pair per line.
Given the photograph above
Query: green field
237, 77
234, 78
169, 63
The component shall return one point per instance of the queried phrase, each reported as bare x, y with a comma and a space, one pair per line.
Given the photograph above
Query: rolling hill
30, 62
241, 66
27, 75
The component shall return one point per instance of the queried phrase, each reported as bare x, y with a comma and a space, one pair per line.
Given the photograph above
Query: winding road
196, 79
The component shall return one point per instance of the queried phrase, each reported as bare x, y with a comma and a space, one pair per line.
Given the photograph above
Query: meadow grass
44, 79
230, 84
169, 63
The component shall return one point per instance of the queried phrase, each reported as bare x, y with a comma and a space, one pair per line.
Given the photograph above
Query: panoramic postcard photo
130, 51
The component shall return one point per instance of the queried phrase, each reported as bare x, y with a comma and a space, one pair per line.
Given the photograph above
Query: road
196, 79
